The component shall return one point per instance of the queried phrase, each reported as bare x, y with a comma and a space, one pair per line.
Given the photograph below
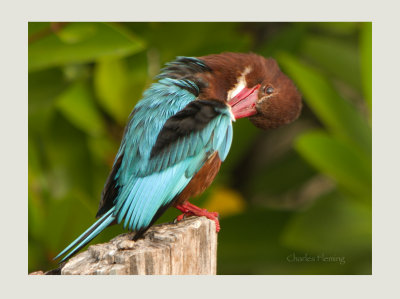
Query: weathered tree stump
187, 247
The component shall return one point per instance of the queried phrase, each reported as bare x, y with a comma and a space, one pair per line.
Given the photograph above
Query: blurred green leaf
338, 28
291, 166
75, 72
173, 39
43, 89
76, 32
288, 39
335, 56
76, 205
111, 83
340, 117
67, 158
78, 106
252, 237
36, 256
218, 37
82, 42
248, 133
349, 167
36, 188
36, 214
142, 68
366, 61
35, 27
103, 149
333, 225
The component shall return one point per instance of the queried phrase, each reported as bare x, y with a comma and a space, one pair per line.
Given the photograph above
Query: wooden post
187, 247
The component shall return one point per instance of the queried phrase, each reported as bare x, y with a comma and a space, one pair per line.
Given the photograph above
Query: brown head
254, 87
279, 101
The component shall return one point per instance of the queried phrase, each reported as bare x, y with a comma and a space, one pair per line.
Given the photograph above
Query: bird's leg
189, 209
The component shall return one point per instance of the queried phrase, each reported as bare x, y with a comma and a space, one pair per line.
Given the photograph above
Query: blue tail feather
88, 235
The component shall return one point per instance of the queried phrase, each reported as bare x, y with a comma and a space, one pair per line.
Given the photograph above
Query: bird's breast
201, 180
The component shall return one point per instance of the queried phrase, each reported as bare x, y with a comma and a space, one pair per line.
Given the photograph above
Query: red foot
189, 209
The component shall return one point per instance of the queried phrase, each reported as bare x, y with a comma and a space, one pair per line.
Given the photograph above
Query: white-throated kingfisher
180, 132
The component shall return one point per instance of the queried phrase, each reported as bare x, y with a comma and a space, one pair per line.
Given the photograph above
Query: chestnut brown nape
280, 109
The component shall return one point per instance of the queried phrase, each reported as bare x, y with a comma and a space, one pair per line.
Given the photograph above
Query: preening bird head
278, 102
254, 87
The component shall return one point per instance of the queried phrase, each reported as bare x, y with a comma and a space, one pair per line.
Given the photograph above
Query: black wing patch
110, 191
194, 117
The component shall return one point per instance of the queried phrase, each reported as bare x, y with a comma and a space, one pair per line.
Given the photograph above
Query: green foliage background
303, 190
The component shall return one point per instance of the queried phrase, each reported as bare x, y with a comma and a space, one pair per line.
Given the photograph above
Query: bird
181, 131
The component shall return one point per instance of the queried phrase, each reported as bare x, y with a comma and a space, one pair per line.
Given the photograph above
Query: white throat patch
241, 83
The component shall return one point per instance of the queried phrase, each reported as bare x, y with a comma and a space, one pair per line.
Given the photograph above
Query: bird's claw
189, 209
181, 217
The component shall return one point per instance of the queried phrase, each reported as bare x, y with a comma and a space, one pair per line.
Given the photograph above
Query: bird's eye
268, 89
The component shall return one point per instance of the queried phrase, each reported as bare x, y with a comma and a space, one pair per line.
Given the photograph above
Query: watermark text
321, 258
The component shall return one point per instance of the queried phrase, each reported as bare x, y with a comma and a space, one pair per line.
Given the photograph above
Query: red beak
244, 103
